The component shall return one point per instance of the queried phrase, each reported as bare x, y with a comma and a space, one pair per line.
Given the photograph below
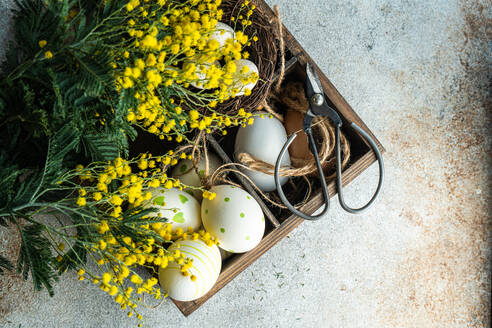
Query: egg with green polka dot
178, 208
234, 217
206, 267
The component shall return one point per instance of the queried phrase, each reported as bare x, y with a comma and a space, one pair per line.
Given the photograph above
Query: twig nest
180, 209
206, 267
234, 218
263, 53
222, 33
187, 174
262, 140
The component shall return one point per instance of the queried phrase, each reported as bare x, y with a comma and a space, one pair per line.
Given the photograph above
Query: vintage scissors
319, 107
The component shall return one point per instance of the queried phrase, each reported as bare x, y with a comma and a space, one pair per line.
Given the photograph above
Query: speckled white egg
263, 140
206, 268
201, 73
185, 172
222, 33
180, 209
234, 218
239, 75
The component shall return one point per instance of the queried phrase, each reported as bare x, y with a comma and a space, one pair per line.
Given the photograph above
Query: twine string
294, 98
265, 106
280, 35
205, 155
219, 175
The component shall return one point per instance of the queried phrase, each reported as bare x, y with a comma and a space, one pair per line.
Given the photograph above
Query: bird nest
262, 52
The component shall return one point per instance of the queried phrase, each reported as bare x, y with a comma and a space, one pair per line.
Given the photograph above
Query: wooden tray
281, 223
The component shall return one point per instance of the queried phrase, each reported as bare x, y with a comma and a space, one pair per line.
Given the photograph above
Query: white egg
185, 172
206, 267
239, 76
234, 218
263, 140
222, 33
179, 208
202, 75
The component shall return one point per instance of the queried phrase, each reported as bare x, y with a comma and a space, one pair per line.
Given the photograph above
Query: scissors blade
313, 79
313, 87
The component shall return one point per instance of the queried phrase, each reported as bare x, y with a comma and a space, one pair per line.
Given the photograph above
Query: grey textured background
418, 73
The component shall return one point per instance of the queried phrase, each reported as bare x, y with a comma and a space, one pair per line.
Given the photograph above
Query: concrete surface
418, 73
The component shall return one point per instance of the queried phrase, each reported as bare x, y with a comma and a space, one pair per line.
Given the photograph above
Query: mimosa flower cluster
125, 235
175, 69
110, 70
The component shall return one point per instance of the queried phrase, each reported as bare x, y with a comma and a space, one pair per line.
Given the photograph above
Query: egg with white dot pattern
206, 268
180, 209
234, 217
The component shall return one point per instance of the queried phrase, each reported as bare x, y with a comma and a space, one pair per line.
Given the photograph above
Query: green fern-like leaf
99, 147
9, 175
64, 141
131, 225
77, 255
5, 265
35, 258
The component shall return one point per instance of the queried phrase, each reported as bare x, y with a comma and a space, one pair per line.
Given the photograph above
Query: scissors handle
379, 158
324, 187
339, 183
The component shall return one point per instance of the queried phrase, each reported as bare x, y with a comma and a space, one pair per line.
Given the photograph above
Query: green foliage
55, 113
19, 186
77, 255
131, 225
35, 257
9, 175
74, 89
5, 265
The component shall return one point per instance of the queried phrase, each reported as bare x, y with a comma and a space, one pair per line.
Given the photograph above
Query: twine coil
294, 98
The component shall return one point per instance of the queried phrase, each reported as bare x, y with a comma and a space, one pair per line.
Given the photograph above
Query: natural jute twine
293, 97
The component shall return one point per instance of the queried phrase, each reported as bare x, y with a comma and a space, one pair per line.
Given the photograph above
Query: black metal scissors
319, 107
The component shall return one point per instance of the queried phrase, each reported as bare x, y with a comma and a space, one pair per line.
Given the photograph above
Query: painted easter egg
185, 172
201, 72
234, 218
206, 268
246, 70
222, 33
263, 140
180, 209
